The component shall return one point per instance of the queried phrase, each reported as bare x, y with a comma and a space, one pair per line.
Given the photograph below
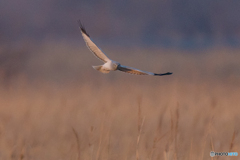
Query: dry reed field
59, 108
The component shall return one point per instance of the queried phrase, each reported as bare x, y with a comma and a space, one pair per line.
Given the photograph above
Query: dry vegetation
61, 108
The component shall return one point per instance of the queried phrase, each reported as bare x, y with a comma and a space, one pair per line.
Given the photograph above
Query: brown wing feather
139, 72
132, 70
91, 46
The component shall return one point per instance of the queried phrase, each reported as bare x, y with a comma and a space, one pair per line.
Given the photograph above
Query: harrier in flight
110, 65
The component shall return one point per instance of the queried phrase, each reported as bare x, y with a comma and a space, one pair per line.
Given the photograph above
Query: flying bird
110, 65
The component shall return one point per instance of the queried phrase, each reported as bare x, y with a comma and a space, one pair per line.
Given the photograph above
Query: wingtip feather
82, 28
168, 73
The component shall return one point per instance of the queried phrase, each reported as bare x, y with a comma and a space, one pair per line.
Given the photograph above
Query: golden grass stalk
139, 113
232, 141
176, 130
138, 139
157, 138
208, 130
100, 140
108, 141
90, 144
190, 153
212, 146
78, 143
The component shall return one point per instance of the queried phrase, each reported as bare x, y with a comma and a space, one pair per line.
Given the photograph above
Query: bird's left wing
92, 47
139, 72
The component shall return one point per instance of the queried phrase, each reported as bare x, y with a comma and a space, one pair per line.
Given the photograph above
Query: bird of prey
110, 65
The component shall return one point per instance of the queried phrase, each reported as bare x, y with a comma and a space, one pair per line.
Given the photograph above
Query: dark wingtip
81, 26
163, 74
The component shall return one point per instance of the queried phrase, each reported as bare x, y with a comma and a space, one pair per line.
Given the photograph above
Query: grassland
59, 108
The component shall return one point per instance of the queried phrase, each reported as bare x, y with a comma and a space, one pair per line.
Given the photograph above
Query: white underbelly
111, 66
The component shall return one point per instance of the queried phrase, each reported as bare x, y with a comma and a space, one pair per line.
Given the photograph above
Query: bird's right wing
139, 72
92, 47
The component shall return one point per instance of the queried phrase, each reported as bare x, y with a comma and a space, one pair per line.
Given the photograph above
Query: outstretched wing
92, 47
139, 72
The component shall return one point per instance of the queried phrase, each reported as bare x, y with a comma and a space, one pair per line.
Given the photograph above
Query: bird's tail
101, 69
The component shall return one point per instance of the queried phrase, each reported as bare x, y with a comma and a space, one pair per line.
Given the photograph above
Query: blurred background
29, 27
54, 105
179, 24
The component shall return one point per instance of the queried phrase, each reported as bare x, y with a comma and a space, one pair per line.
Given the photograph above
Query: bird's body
107, 67
110, 65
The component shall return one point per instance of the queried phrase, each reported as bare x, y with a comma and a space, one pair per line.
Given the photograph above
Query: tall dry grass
74, 112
